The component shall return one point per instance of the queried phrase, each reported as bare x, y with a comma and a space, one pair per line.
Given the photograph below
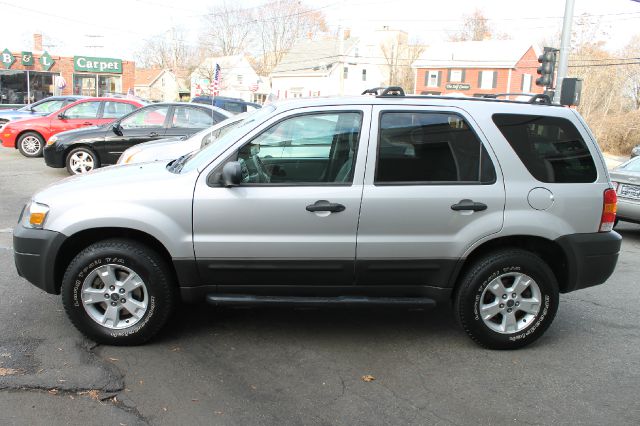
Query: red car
30, 135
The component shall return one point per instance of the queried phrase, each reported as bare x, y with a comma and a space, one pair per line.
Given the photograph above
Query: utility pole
564, 48
341, 56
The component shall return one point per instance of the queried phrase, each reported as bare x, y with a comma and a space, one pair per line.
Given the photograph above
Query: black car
233, 105
85, 149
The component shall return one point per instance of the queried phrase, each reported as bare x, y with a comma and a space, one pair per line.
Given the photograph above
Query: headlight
127, 156
52, 140
34, 215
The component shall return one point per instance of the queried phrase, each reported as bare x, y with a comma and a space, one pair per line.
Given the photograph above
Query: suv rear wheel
507, 299
118, 292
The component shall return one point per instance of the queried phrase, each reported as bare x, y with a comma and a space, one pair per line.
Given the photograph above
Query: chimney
37, 42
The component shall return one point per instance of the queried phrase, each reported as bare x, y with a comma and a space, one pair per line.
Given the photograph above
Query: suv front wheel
118, 292
507, 299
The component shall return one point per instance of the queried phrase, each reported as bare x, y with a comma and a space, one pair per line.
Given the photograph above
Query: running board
235, 299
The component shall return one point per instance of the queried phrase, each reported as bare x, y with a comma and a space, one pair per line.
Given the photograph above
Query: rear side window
430, 148
551, 148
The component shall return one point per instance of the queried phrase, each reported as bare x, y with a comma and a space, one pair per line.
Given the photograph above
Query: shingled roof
312, 56
473, 54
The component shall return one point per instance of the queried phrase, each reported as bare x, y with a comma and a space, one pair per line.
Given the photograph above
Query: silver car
169, 149
626, 181
494, 207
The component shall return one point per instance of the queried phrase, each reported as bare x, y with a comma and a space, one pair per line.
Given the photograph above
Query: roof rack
538, 98
385, 91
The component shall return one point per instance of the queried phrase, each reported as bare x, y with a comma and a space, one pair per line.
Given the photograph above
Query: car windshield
632, 166
208, 153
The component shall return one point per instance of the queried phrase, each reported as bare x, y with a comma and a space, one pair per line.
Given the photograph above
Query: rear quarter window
551, 148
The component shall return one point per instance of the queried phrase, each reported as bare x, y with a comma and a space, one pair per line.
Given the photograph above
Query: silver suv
495, 206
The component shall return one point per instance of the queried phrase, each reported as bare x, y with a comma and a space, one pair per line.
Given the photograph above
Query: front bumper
8, 139
35, 252
591, 258
54, 156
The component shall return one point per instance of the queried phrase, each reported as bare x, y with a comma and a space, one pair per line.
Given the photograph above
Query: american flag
217, 76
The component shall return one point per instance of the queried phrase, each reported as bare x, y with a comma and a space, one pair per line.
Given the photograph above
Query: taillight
609, 207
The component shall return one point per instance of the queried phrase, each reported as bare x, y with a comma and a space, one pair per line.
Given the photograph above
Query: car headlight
127, 156
34, 215
52, 140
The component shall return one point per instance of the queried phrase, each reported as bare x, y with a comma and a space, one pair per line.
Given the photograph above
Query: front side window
551, 148
146, 117
430, 148
308, 149
83, 110
117, 109
190, 118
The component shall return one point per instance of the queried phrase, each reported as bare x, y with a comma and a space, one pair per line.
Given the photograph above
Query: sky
118, 28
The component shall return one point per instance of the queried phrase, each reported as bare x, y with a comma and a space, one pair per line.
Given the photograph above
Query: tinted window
551, 148
117, 109
307, 149
83, 110
146, 117
417, 147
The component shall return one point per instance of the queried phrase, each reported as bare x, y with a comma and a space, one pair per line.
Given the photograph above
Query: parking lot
306, 366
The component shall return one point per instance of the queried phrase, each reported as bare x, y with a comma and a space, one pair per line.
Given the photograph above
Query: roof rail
385, 91
538, 98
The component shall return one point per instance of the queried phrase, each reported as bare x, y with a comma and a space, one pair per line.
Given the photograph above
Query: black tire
83, 152
158, 284
30, 144
505, 265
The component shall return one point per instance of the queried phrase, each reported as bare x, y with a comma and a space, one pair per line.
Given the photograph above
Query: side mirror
61, 116
116, 128
231, 174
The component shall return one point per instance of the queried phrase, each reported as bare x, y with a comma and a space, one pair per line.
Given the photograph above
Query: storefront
26, 77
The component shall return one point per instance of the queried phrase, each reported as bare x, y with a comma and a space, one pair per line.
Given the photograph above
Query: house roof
473, 54
146, 76
312, 56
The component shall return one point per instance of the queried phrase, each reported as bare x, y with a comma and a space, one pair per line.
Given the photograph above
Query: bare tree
631, 71
475, 27
169, 50
227, 30
279, 24
398, 56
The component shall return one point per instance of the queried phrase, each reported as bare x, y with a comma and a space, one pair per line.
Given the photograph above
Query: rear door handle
325, 206
469, 205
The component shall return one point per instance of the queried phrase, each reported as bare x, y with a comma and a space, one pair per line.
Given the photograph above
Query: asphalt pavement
266, 366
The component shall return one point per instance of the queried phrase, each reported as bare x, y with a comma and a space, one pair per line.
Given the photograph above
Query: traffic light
547, 66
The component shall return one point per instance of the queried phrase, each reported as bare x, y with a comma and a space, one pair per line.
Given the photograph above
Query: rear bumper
54, 156
591, 258
35, 252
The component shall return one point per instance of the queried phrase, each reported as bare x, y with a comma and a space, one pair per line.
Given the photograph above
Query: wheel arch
549, 251
75, 243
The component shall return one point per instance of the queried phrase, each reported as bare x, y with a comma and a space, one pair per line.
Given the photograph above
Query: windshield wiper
176, 165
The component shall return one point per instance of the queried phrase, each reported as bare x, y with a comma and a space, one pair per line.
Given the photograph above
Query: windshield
211, 151
632, 166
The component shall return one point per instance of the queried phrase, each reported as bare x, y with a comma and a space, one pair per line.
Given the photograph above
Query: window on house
456, 76
432, 79
526, 83
345, 72
364, 75
488, 79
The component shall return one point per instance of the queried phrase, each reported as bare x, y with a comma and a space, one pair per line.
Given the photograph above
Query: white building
238, 79
160, 85
316, 68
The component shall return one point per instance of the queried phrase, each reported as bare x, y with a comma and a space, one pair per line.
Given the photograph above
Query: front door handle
153, 134
325, 206
469, 205
87, 123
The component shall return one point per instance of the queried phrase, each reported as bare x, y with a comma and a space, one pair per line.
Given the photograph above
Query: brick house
475, 68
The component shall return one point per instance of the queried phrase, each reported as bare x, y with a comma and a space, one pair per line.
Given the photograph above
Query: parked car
172, 148
37, 109
83, 150
233, 105
29, 135
626, 181
493, 206
635, 151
